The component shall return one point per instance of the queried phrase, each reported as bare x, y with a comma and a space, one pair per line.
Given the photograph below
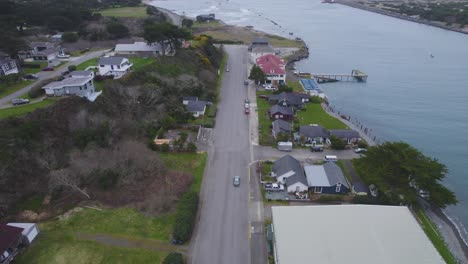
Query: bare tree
66, 178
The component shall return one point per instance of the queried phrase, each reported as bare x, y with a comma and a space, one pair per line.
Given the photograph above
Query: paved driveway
5, 101
222, 233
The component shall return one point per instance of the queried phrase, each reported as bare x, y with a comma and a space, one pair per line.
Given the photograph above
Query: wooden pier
356, 75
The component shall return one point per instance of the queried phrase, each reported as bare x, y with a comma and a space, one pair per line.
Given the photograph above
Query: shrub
174, 258
185, 217
191, 147
164, 147
337, 143
69, 37
31, 65
363, 144
117, 30
72, 68
107, 179
315, 100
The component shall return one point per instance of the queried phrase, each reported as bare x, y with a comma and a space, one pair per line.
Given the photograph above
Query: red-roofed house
273, 67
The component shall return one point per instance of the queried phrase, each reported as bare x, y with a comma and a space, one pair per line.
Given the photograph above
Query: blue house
326, 178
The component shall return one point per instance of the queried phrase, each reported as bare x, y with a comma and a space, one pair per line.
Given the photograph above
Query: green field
7, 89
54, 248
187, 162
431, 231
91, 62
313, 113
24, 109
139, 11
42, 65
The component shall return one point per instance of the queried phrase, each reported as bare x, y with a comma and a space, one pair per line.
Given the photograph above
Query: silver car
236, 181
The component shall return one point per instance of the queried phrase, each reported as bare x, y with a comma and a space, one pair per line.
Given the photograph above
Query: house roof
270, 58
68, 82
81, 73
189, 98
334, 174
344, 133
281, 126
271, 64
291, 98
114, 60
46, 52
262, 41
352, 234
137, 46
281, 109
8, 236
5, 61
298, 177
287, 164
313, 131
196, 106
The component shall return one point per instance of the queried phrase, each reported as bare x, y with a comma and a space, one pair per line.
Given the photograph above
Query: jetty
356, 75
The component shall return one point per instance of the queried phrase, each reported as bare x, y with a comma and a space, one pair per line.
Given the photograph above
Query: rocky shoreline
396, 15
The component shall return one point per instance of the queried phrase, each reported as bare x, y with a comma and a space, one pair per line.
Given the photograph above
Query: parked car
264, 96
236, 181
360, 150
247, 111
227, 69
246, 101
48, 69
63, 56
316, 148
270, 88
246, 105
19, 101
30, 76
246, 82
274, 187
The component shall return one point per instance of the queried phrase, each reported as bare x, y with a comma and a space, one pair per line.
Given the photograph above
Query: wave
459, 226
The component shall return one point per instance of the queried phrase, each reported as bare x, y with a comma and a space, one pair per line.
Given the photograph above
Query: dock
356, 75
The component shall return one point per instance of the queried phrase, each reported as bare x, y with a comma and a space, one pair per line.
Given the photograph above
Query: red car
247, 111
48, 69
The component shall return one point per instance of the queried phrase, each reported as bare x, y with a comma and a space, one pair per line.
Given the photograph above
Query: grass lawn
91, 62
314, 114
264, 130
124, 222
7, 89
187, 162
297, 87
24, 109
345, 172
139, 11
211, 24
431, 231
42, 64
139, 62
57, 247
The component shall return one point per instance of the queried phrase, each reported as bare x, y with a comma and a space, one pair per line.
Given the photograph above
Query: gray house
289, 167
348, 135
295, 100
80, 84
326, 178
280, 126
281, 112
195, 106
313, 134
8, 66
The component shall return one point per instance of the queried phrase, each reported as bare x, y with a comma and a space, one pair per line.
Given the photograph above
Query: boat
432, 56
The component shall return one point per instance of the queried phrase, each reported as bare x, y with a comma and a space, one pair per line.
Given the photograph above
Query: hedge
185, 217
174, 258
30, 65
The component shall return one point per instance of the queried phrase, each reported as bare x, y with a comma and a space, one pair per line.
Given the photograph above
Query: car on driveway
30, 76
360, 150
63, 56
236, 181
19, 101
48, 69
316, 148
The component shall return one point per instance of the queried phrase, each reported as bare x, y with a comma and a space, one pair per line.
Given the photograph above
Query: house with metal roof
280, 126
141, 48
348, 135
281, 112
80, 84
295, 100
288, 170
313, 134
327, 178
115, 66
351, 234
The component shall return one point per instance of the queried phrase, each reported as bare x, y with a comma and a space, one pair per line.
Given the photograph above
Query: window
101, 66
318, 190
338, 187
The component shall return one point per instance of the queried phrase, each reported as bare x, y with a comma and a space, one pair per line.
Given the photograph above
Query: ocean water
409, 96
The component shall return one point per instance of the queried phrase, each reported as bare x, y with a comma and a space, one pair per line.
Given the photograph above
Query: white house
45, 51
288, 170
273, 67
116, 66
80, 84
141, 49
8, 66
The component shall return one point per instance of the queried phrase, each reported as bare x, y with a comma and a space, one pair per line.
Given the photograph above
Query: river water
409, 96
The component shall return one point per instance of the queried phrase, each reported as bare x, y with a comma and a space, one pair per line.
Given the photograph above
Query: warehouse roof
360, 234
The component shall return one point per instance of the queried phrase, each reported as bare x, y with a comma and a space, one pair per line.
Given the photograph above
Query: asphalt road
5, 101
222, 234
